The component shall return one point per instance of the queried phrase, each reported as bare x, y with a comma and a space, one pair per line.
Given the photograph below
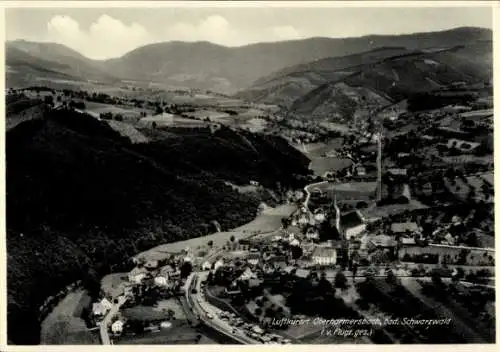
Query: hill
81, 199
372, 79
208, 66
287, 85
29, 62
394, 79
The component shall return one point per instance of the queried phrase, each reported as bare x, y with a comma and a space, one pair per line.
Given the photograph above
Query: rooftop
302, 273
399, 227
324, 252
137, 271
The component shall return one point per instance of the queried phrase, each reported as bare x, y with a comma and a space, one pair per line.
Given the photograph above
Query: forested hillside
81, 200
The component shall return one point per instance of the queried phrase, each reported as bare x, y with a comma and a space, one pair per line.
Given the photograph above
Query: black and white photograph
249, 173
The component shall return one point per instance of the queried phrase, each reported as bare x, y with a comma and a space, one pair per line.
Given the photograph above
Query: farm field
129, 131
335, 127
391, 209
128, 112
321, 165
462, 159
183, 122
254, 125
268, 221
64, 325
147, 313
202, 99
318, 149
348, 191
214, 116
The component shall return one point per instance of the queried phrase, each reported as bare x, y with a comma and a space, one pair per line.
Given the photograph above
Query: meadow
321, 165
268, 221
64, 325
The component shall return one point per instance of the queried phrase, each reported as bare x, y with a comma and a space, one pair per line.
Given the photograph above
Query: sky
102, 33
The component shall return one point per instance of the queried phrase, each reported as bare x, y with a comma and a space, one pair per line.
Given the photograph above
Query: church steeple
337, 213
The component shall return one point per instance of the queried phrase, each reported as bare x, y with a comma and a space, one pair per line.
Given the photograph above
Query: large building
349, 224
324, 256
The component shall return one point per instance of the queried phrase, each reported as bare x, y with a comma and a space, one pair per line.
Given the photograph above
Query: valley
231, 186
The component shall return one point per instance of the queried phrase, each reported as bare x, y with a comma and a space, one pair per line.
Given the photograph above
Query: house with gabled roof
253, 258
206, 266
302, 273
219, 263
352, 224
98, 309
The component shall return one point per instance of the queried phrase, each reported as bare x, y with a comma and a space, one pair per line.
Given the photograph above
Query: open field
64, 325
465, 158
391, 209
203, 99
321, 165
147, 313
254, 125
128, 112
113, 284
174, 305
318, 149
214, 116
348, 191
127, 130
268, 221
183, 122
332, 126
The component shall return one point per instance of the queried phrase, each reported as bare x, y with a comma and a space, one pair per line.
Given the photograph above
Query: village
416, 206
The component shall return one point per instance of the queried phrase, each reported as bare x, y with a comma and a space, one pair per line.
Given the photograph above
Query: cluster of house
100, 309
165, 276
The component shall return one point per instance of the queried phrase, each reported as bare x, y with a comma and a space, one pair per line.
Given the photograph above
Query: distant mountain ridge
374, 78
27, 61
204, 65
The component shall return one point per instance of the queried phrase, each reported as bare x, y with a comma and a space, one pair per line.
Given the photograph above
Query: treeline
81, 200
436, 100
16, 103
238, 157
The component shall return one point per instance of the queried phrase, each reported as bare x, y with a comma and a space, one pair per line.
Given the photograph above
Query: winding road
202, 309
105, 340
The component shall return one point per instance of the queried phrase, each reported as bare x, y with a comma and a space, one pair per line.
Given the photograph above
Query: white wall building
324, 256
117, 327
